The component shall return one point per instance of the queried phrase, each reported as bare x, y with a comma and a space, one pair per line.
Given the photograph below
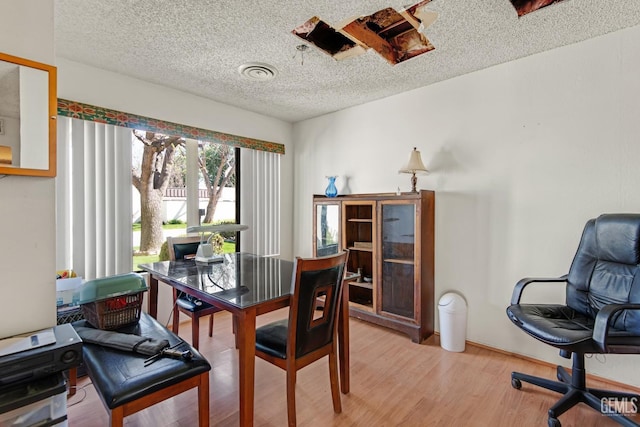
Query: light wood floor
394, 382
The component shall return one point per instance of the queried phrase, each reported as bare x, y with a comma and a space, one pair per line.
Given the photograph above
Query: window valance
92, 113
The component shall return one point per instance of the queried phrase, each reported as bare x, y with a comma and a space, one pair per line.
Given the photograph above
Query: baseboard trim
613, 383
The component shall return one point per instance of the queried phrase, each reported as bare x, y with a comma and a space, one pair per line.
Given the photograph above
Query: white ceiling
9, 90
196, 46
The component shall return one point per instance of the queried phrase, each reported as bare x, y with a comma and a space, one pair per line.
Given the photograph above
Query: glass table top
242, 279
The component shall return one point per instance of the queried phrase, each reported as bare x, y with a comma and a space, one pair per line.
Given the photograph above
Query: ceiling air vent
257, 71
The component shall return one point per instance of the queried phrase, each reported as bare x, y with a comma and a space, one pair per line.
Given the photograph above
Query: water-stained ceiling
198, 46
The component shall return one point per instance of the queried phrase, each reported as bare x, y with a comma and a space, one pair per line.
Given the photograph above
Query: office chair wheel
515, 383
554, 422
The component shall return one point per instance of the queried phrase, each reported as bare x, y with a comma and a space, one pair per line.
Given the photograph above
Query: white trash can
453, 322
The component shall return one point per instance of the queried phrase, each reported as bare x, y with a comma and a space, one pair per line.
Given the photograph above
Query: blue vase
331, 190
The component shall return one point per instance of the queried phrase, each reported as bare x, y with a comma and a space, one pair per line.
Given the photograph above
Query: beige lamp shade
414, 166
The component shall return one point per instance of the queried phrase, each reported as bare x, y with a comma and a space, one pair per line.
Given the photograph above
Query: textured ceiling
9, 90
196, 46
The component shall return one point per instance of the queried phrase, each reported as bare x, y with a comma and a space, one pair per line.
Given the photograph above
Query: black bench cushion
121, 377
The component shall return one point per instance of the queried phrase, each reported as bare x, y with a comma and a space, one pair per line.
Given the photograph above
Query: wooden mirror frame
52, 112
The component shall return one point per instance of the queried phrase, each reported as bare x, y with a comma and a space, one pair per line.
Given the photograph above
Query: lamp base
205, 254
210, 260
414, 182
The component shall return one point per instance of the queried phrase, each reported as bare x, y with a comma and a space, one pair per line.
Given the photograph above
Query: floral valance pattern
78, 110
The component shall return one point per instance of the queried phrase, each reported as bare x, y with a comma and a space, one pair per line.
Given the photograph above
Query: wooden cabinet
391, 243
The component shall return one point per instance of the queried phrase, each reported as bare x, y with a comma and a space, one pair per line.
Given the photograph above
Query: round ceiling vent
257, 71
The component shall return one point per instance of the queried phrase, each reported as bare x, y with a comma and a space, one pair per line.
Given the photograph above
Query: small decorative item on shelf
331, 190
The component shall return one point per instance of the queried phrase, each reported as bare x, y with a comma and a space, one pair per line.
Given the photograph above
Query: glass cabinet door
327, 229
398, 233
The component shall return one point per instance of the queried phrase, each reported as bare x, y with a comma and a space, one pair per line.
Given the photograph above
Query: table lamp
414, 166
205, 249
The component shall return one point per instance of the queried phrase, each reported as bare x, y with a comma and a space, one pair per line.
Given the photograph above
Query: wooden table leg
203, 400
246, 338
153, 296
343, 341
175, 316
73, 381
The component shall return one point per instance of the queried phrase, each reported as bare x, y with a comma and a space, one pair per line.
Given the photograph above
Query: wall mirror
28, 104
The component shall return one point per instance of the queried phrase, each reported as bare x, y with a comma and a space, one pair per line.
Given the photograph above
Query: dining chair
308, 334
181, 248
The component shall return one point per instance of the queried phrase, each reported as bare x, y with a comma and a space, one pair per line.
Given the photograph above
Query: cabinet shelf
364, 285
359, 306
399, 260
353, 248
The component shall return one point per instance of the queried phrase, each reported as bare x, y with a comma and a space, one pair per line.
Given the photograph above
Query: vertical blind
93, 203
260, 202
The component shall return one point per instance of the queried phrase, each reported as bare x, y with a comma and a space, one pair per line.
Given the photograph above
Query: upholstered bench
126, 385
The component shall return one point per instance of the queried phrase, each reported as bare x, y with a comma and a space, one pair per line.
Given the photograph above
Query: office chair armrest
603, 319
517, 291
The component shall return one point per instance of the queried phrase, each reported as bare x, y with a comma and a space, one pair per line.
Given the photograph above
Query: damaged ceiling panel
394, 35
327, 39
527, 6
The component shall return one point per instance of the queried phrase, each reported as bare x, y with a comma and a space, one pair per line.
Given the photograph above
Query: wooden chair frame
292, 364
117, 414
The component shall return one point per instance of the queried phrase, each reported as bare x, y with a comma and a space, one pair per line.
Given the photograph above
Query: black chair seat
120, 377
272, 338
564, 328
557, 325
192, 304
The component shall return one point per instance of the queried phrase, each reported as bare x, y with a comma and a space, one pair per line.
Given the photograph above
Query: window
94, 187
178, 183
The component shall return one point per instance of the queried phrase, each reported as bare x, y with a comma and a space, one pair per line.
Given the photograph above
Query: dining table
246, 285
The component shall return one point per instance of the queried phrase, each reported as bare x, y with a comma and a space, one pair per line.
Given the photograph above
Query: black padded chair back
605, 269
315, 279
185, 249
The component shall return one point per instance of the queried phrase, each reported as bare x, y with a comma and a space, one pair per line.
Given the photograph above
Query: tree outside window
159, 166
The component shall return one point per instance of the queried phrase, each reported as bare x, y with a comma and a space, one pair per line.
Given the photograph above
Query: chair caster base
554, 422
574, 391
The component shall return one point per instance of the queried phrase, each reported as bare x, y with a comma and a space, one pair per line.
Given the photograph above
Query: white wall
27, 215
521, 155
78, 82
176, 207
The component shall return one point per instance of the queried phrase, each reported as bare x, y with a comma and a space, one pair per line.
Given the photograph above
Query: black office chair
601, 314
181, 248
308, 334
